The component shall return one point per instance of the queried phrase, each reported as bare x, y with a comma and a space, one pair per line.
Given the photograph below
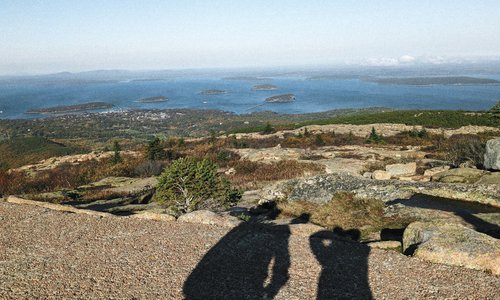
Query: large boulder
459, 175
209, 218
492, 155
396, 170
452, 244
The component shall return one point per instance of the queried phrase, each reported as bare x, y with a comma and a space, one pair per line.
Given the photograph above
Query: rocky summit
325, 211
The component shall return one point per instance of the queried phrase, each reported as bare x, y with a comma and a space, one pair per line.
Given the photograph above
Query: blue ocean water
311, 95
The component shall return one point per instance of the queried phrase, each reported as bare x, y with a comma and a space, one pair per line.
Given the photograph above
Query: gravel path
53, 255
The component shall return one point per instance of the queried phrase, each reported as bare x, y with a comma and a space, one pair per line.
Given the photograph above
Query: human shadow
249, 262
344, 265
465, 210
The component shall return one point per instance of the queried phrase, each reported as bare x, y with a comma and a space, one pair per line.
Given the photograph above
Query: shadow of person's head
344, 264
353, 234
302, 219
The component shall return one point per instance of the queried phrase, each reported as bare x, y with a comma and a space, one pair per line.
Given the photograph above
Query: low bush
464, 148
213, 152
189, 184
149, 168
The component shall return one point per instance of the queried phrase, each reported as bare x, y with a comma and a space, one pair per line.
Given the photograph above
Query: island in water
447, 80
213, 92
245, 78
155, 99
71, 108
264, 87
285, 98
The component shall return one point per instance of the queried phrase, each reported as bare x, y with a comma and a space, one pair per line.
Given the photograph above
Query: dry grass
104, 195
66, 176
344, 211
249, 174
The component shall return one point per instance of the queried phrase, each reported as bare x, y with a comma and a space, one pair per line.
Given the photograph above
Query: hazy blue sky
57, 35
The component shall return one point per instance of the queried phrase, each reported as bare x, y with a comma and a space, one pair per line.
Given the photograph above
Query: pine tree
116, 156
268, 129
319, 140
374, 138
350, 138
306, 132
154, 150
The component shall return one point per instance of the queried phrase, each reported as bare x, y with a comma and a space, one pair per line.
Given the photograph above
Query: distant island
285, 98
333, 77
213, 92
448, 80
246, 78
70, 108
156, 99
264, 87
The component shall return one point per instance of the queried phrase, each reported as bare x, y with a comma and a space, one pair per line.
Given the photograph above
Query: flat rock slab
453, 244
49, 254
321, 188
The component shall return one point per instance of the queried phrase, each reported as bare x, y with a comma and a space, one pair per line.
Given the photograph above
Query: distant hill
27, 150
70, 108
454, 80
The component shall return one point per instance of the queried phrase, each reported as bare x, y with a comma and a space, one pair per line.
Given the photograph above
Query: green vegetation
426, 118
306, 133
22, 151
319, 140
188, 184
496, 109
140, 126
143, 125
71, 108
414, 133
154, 150
268, 129
429, 119
374, 138
116, 153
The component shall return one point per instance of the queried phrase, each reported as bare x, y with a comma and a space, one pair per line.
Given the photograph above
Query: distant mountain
449, 80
